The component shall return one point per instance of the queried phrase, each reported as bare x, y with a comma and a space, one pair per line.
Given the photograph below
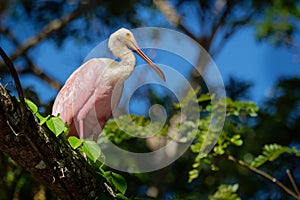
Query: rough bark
50, 160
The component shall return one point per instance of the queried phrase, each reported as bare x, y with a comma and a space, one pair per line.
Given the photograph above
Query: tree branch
49, 29
223, 15
50, 160
31, 68
40, 74
14, 74
172, 16
293, 182
263, 174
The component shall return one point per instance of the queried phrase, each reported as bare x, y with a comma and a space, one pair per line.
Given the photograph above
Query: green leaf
74, 142
228, 192
238, 142
41, 118
56, 125
31, 106
236, 139
219, 150
208, 107
119, 182
92, 150
120, 196
66, 130
253, 114
270, 152
193, 174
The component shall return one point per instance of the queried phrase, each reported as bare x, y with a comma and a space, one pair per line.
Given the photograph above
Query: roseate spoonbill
85, 101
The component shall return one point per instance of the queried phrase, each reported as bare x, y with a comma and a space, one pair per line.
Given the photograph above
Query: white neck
126, 66
127, 59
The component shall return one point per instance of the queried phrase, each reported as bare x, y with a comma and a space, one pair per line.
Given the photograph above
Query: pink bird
85, 101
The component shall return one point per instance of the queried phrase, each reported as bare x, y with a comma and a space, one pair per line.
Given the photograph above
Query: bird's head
124, 38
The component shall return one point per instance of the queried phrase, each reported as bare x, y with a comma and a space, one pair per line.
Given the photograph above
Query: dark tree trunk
50, 160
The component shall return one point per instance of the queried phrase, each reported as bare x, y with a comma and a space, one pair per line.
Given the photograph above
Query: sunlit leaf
92, 150
236, 140
56, 125
119, 182
120, 196
41, 118
193, 174
31, 106
219, 150
74, 142
227, 192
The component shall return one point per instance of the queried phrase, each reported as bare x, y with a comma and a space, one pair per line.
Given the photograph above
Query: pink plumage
85, 102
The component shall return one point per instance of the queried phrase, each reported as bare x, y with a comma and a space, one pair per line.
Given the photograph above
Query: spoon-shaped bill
137, 50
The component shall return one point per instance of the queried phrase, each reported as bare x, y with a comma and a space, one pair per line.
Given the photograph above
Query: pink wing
80, 92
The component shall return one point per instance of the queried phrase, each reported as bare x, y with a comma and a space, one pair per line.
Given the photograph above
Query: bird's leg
81, 135
95, 136
81, 129
96, 132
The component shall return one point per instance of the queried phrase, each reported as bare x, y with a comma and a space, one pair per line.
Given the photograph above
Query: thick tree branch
50, 160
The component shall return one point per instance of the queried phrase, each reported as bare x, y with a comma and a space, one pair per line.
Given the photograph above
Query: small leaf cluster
279, 22
240, 108
228, 192
54, 123
138, 126
231, 135
118, 181
90, 148
92, 151
271, 152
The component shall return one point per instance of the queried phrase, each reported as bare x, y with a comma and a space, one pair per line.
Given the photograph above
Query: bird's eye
128, 35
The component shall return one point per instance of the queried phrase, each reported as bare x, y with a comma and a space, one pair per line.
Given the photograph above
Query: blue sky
241, 57
258, 62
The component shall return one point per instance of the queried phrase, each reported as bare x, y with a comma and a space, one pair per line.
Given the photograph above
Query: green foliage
56, 125
271, 152
41, 118
240, 108
279, 22
116, 180
230, 137
75, 142
31, 106
226, 192
92, 150
88, 148
34, 109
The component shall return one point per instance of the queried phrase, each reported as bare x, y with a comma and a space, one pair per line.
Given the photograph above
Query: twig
293, 182
263, 174
31, 68
40, 74
49, 29
14, 74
